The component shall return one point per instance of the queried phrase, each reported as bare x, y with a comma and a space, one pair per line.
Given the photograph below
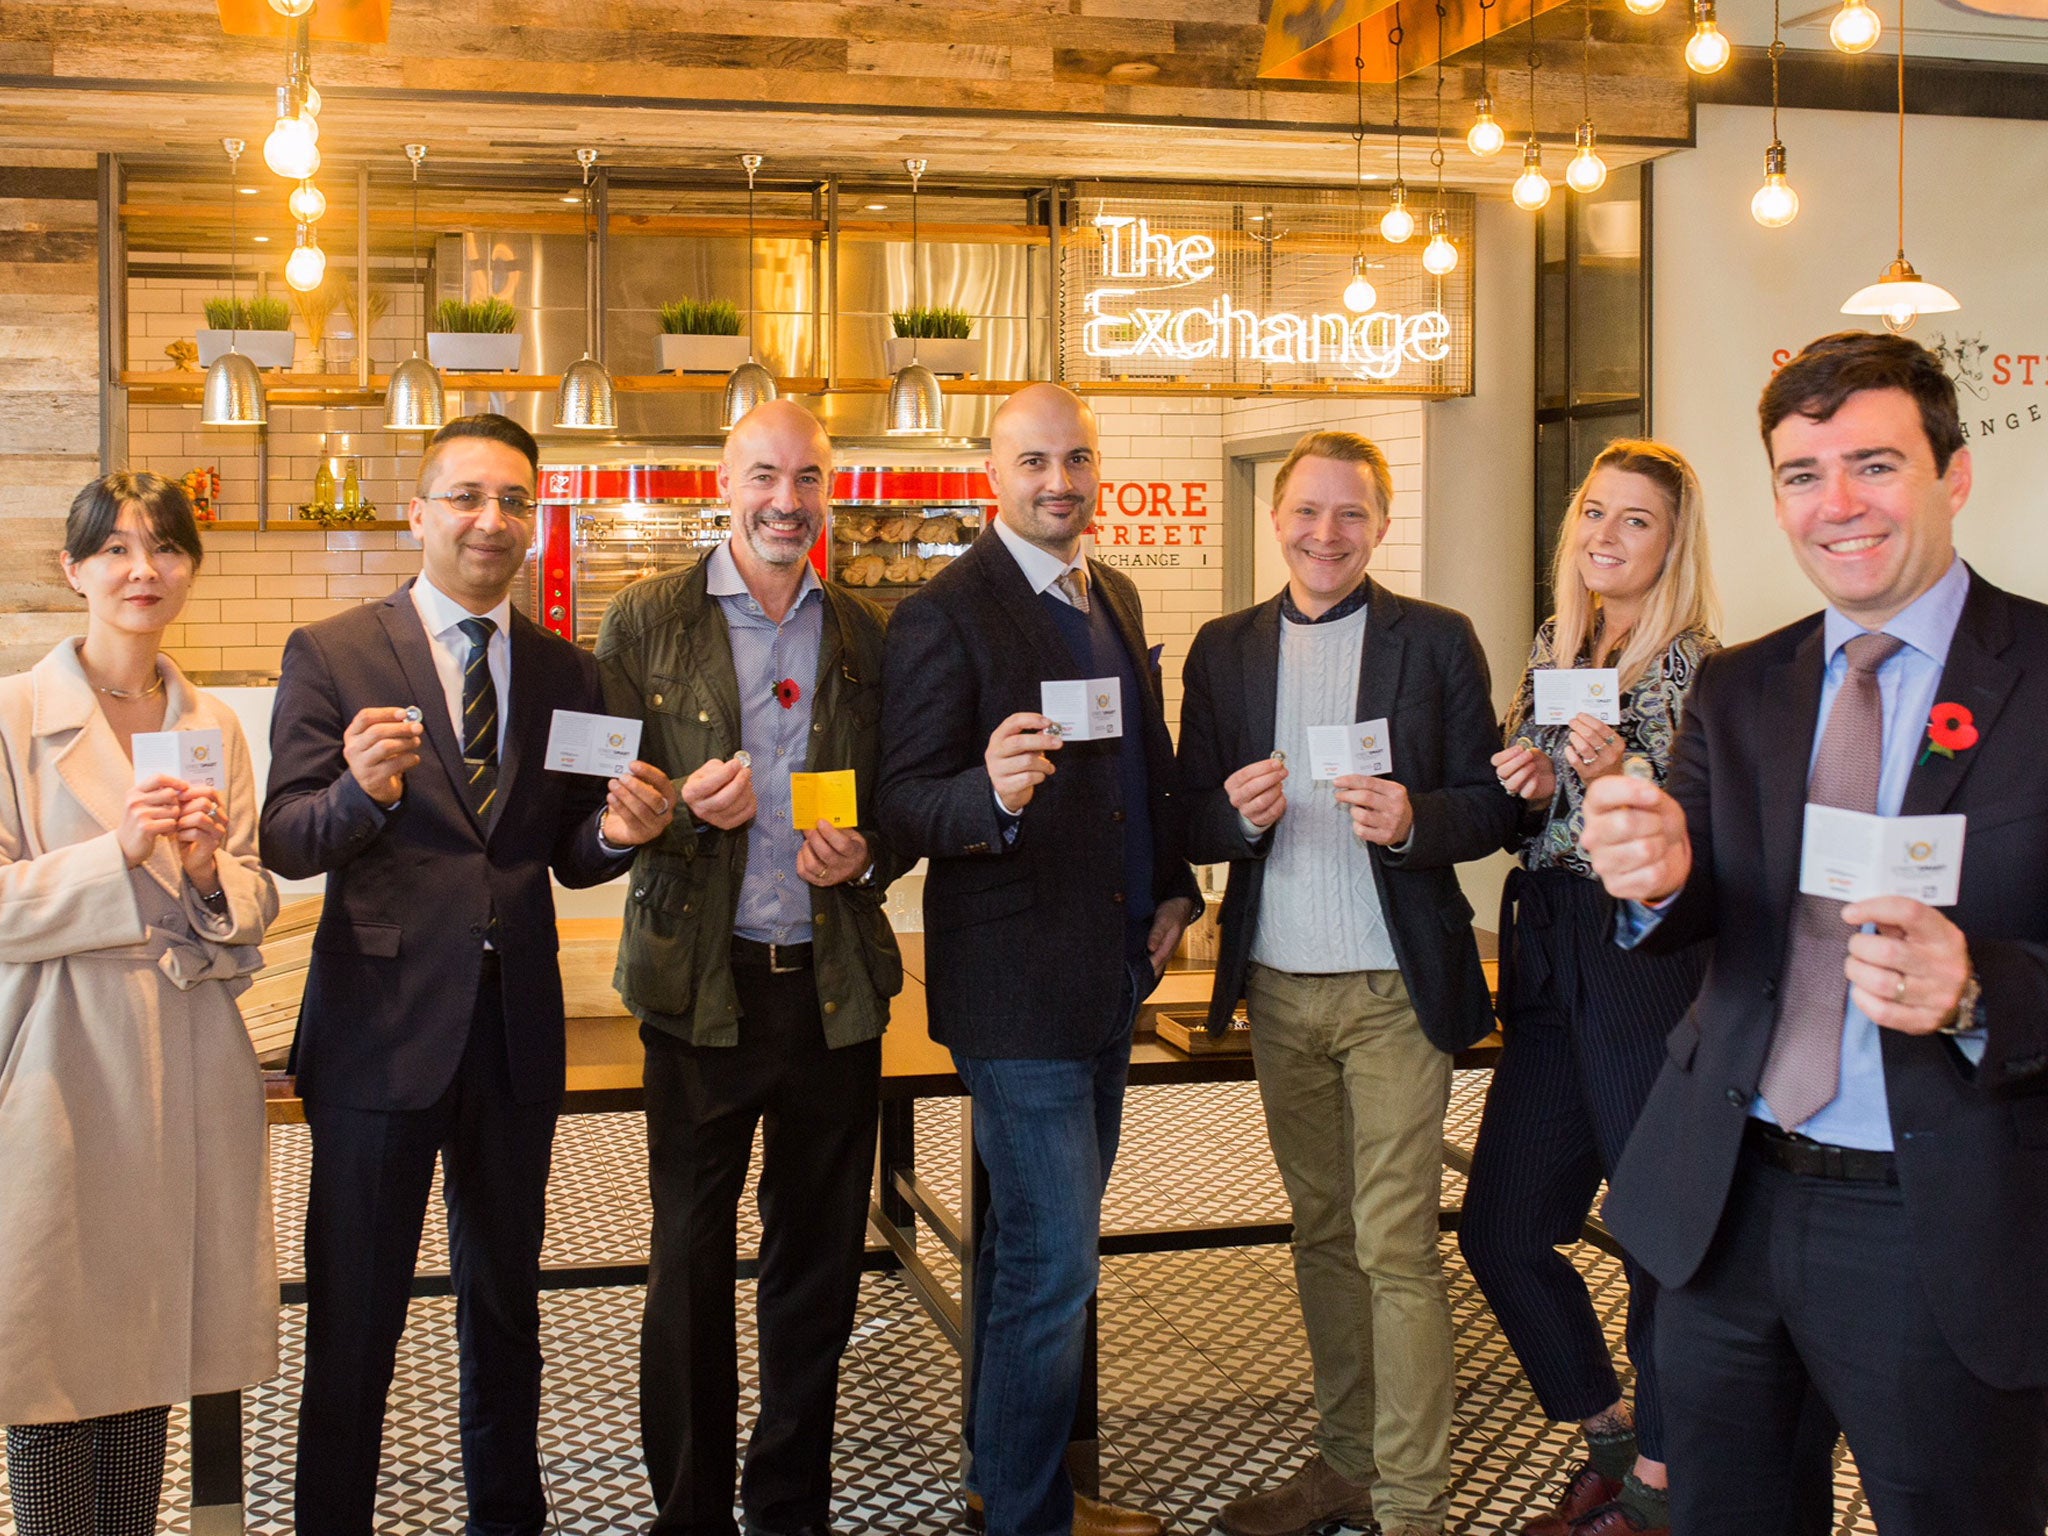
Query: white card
603, 745
197, 757
1562, 692
1852, 855
1090, 709
1335, 750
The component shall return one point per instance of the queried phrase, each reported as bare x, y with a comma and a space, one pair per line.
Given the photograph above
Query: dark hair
488, 425
1816, 382
96, 513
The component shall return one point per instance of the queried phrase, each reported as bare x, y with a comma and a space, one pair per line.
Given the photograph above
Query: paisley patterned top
1650, 712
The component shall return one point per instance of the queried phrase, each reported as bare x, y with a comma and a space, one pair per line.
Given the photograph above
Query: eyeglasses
513, 504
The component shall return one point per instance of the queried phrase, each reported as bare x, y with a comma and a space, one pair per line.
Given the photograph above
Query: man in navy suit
1839, 1175
406, 766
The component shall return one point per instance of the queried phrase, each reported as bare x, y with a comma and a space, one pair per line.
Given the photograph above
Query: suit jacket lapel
92, 764
526, 717
1022, 606
1379, 678
1260, 659
407, 633
1975, 678
1787, 717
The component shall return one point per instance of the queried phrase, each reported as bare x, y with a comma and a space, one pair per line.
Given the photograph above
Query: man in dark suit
1057, 890
760, 963
406, 766
1346, 933
1838, 1177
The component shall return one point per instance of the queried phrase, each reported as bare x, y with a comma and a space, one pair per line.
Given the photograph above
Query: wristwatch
1968, 1014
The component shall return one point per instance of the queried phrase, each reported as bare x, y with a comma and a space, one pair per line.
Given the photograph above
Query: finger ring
1611, 740
1899, 992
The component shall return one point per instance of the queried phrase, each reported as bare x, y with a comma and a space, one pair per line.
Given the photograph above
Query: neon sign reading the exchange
1372, 346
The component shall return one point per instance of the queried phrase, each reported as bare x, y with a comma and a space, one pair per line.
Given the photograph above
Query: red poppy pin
1950, 729
787, 693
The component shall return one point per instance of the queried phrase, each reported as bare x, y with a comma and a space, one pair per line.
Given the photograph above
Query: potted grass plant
939, 339
261, 330
700, 336
475, 336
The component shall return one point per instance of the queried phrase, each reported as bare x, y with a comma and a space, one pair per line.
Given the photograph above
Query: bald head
776, 476
1045, 465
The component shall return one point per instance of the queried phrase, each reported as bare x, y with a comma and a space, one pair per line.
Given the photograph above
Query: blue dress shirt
1859, 1114
775, 903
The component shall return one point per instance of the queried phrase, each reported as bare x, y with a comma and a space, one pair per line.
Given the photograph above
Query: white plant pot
475, 351
266, 349
699, 354
946, 357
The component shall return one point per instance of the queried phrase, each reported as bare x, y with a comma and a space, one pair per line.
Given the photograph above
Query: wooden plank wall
49, 390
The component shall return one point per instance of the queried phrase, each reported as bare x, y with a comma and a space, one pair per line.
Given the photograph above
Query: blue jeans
1047, 1133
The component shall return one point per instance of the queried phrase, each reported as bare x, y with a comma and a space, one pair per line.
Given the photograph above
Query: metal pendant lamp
1901, 295
915, 403
233, 395
585, 401
750, 384
414, 400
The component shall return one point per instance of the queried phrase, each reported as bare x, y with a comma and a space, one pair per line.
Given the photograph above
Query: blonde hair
1345, 448
1683, 597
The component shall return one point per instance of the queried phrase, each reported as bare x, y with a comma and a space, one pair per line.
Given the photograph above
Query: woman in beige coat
136, 1259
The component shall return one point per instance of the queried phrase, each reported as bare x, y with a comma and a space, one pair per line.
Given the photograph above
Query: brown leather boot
1091, 1518
1314, 1496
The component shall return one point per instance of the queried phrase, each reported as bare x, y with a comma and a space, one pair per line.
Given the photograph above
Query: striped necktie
479, 718
1074, 583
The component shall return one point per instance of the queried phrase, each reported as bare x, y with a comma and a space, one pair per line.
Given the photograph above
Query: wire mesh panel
1253, 288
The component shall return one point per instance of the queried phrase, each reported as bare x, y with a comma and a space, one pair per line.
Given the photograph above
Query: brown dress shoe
1310, 1499
1587, 1491
1614, 1520
1091, 1518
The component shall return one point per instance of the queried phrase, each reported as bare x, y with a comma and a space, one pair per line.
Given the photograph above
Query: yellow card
816, 797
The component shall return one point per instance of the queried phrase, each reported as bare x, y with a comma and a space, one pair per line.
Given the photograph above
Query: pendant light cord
1484, 7
1777, 53
1902, 130
1532, 77
750, 253
234, 245
1586, 67
1395, 34
1436, 155
417, 279
1358, 132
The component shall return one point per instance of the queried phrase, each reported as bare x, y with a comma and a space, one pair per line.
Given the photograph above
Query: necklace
135, 693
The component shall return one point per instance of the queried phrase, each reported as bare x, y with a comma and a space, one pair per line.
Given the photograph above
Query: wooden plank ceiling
1005, 90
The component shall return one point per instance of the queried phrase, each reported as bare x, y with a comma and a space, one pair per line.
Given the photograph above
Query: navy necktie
479, 718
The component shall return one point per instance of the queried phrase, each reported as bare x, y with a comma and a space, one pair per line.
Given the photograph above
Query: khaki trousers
1355, 1098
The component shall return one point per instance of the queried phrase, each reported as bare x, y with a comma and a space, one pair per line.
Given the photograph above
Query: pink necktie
1805, 1065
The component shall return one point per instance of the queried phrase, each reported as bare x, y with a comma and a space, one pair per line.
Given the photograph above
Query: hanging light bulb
1485, 137
1397, 223
293, 148
1645, 7
749, 384
312, 107
1775, 204
1707, 50
307, 264
292, 10
1587, 171
1441, 256
1359, 293
1532, 187
1856, 27
307, 203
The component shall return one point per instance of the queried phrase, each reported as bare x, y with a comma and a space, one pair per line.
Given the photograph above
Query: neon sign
1133, 317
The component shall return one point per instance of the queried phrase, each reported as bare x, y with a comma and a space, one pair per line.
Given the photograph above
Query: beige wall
49, 389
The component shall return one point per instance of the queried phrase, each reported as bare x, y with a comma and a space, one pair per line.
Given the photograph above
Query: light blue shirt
1859, 1114
775, 903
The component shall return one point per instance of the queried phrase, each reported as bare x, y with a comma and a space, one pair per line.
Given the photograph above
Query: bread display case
601, 527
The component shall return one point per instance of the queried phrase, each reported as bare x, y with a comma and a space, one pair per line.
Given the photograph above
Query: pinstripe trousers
1582, 1042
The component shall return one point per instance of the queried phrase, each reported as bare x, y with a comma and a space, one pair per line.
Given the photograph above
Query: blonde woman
136, 1264
1584, 1021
